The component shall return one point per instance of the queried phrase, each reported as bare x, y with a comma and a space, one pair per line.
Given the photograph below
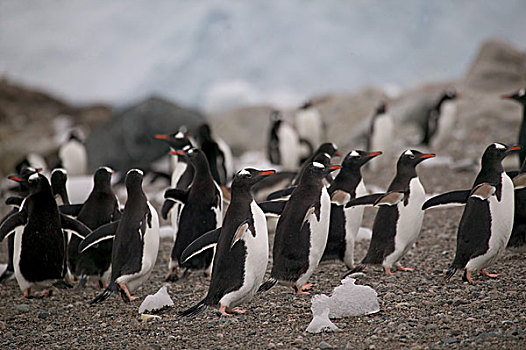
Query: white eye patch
354, 154
33, 177
243, 172
499, 146
179, 135
318, 165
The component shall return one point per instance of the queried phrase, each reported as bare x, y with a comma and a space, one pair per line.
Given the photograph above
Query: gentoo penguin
218, 154
486, 223
440, 119
181, 178
73, 155
40, 246
345, 222
520, 97
398, 221
16, 203
518, 233
241, 254
381, 136
100, 208
302, 229
329, 149
283, 146
310, 125
59, 177
202, 212
135, 241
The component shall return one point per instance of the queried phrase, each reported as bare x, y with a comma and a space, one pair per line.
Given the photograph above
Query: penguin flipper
281, 193
113, 287
200, 244
75, 226
8, 226
14, 200
167, 206
460, 196
519, 181
100, 234
390, 199
483, 191
273, 207
70, 209
241, 229
365, 200
176, 194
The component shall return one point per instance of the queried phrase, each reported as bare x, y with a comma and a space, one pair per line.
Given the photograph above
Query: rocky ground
418, 309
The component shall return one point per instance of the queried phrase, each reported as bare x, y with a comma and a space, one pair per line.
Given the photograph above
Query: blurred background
90, 64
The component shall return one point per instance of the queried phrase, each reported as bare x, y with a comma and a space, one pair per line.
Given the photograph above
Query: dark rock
127, 140
450, 341
23, 307
43, 315
324, 345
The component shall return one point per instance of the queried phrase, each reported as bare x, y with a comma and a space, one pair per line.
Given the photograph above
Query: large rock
497, 68
127, 139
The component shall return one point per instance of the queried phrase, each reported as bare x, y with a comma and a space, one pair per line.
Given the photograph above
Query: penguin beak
161, 137
374, 154
15, 178
335, 167
267, 173
513, 149
427, 156
338, 154
506, 97
177, 153
39, 170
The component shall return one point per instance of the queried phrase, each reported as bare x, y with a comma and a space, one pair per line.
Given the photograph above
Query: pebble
450, 341
271, 346
49, 328
43, 315
324, 345
22, 307
2, 325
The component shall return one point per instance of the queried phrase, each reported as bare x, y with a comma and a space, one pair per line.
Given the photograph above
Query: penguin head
103, 175
357, 158
519, 96
37, 182
134, 179
249, 176
317, 171
176, 140
59, 177
382, 108
411, 158
496, 153
205, 133
450, 94
330, 148
24, 174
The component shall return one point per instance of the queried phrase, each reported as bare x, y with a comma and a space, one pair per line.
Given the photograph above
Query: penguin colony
56, 244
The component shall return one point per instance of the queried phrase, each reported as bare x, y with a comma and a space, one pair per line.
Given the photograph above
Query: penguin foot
388, 271
487, 274
467, 277
238, 311
405, 269
27, 294
102, 284
302, 290
222, 310
125, 293
351, 267
47, 293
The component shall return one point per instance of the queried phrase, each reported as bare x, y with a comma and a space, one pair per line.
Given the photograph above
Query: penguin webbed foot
125, 293
302, 290
485, 273
404, 269
466, 277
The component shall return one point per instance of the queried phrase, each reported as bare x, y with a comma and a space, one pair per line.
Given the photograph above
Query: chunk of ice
320, 315
156, 301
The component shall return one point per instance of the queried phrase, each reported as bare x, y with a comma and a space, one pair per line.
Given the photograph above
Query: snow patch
156, 302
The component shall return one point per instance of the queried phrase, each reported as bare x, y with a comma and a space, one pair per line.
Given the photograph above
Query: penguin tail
194, 310
61, 284
450, 272
113, 287
271, 282
357, 268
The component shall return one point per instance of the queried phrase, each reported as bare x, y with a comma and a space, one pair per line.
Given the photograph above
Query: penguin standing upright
283, 147
518, 233
399, 218
241, 255
486, 223
218, 154
40, 246
101, 207
520, 97
182, 176
310, 125
345, 222
135, 241
202, 212
381, 136
440, 120
59, 177
329, 149
302, 229
73, 155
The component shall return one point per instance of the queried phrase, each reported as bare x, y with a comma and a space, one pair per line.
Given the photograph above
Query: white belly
382, 140
318, 238
289, 147
353, 220
74, 158
309, 126
501, 226
409, 222
255, 262
446, 123
149, 254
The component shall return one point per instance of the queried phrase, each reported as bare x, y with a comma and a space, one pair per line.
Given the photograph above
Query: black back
214, 154
197, 216
273, 151
59, 178
433, 116
520, 97
381, 109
